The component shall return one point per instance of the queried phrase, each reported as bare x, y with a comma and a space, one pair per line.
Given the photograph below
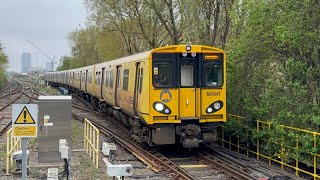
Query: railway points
148, 162
194, 165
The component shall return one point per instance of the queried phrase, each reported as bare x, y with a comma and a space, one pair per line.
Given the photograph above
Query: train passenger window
125, 79
111, 78
162, 74
96, 78
186, 75
141, 80
107, 78
213, 74
88, 77
99, 78
118, 77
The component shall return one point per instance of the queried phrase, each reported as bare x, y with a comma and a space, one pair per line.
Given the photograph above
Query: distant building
49, 66
25, 62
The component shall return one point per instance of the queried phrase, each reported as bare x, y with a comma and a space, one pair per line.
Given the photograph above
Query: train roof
143, 55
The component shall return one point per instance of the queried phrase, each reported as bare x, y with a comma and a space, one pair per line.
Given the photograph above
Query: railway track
207, 162
218, 167
155, 160
22, 94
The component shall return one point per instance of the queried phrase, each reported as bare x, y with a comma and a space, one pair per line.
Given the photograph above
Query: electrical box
54, 123
118, 169
17, 156
108, 149
62, 142
53, 174
65, 152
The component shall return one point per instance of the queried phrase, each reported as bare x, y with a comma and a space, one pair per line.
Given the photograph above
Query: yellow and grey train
172, 94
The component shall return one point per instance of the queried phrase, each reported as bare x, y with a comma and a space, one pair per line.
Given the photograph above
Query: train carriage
167, 95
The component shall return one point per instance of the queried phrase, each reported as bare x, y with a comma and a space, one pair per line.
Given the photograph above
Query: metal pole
24, 158
9, 90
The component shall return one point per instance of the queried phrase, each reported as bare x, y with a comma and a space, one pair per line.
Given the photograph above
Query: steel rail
8, 124
154, 159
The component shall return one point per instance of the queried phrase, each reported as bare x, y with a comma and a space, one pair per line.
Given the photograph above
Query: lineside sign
24, 120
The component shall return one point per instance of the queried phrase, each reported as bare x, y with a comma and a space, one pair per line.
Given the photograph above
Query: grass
46, 90
32, 142
87, 170
77, 133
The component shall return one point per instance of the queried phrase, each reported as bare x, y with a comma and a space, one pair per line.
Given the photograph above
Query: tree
273, 62
3, 64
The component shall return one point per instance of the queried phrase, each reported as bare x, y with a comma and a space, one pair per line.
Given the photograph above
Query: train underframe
189, 133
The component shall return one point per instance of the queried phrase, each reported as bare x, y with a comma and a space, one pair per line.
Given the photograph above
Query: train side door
80, 80
86, 81
102, 82
118, 85
136, 89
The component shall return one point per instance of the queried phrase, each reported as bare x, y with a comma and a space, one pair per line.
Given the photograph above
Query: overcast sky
44, 22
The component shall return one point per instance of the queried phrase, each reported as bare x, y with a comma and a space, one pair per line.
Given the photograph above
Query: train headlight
188, 48
159, 107
216, 105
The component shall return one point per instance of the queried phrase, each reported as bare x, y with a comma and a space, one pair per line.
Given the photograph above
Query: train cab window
107, 78
213, 73
125, 79
141, 80
111, 78
163, 70
162, 75
186, 75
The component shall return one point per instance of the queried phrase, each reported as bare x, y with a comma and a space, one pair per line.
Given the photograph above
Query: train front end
187, 94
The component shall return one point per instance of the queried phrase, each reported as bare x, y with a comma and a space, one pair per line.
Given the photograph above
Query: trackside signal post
24, 125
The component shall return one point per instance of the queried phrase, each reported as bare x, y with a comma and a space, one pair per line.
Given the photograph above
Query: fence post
238, 119
297, 154
269, 156
314, 156
247, 143
97, 149
258, 148
281, 148
85, 133
7, 162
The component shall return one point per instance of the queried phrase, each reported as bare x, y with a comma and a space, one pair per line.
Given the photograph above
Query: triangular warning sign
25, 117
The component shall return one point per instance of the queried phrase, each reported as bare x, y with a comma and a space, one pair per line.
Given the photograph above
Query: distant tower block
25, 62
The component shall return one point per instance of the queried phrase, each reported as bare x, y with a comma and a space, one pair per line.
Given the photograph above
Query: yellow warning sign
24, 117
25, 131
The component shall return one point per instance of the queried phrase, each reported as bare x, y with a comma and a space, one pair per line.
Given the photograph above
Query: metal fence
91, 142
13, 144
287, 146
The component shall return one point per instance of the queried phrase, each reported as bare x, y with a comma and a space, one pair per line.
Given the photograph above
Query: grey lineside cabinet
54, 123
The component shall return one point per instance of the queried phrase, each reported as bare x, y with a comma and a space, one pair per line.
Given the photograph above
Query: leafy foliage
3, 64
274, 62
119, 28
272, 46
